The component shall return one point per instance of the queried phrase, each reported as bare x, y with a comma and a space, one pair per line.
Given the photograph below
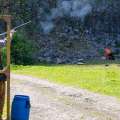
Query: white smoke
72, 8
55, 12
82, 12
77, 4
47, 26
65, 7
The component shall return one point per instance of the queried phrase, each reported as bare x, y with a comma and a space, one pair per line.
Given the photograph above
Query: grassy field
96, 78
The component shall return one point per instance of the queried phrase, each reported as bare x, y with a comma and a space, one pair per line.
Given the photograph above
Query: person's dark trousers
111, 57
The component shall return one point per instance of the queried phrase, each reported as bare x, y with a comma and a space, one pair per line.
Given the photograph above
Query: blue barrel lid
21, 97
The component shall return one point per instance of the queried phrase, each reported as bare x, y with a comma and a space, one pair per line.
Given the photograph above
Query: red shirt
107, 52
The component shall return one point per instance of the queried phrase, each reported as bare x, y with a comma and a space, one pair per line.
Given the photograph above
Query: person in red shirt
108, 54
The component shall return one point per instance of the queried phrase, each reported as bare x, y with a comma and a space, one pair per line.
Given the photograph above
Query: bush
22, 50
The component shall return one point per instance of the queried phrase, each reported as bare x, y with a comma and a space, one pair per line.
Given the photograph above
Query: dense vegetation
65, 31
22, 50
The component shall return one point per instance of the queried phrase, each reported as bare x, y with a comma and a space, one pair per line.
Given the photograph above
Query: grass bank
96, 78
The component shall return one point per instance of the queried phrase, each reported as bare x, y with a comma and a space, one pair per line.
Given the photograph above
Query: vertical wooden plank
7, 18
8, 65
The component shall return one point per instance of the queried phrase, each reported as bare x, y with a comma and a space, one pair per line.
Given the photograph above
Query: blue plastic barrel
20, 108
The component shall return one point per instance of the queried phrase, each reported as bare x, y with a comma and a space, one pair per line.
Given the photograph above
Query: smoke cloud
47, 26
81, 13
67, 8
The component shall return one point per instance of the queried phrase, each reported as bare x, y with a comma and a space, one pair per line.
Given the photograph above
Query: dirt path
54, 102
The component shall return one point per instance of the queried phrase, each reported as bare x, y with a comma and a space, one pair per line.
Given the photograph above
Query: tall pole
8, 20
8, 65
6, 70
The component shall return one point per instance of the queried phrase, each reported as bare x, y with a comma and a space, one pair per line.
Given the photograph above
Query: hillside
65, 31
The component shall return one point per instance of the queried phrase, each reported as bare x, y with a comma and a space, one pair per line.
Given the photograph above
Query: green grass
96, 78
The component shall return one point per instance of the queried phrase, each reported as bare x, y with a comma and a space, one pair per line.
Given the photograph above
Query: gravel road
55, 102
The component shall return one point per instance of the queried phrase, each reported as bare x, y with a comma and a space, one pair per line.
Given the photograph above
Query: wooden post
7, 18
6, 70
8, 65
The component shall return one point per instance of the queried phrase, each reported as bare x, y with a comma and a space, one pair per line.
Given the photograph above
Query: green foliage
22, 50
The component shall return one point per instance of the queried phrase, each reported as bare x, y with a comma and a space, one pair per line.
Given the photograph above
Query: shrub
22, 50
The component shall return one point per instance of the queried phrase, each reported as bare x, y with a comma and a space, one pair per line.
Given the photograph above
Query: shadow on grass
84, 63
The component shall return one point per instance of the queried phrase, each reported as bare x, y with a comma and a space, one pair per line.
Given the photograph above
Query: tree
22, 50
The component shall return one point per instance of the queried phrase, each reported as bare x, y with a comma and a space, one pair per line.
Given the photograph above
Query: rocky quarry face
67, 31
